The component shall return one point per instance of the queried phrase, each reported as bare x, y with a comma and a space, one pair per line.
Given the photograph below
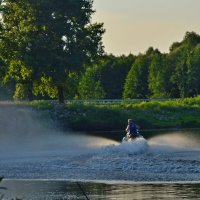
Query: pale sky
132, 26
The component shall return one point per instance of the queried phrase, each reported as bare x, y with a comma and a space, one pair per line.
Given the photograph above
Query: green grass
41, 105
184, 113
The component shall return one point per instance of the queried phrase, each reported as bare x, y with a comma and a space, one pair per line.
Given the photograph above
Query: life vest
133, 129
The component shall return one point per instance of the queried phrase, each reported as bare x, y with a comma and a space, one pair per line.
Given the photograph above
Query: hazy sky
132, 26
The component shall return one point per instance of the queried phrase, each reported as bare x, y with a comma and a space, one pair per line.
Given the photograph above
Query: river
50, 163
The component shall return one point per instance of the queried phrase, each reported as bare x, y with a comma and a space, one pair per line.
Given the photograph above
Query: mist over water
175, 141
22, 131
31, 148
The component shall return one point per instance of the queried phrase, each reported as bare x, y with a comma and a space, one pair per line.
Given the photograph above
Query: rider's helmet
129, 121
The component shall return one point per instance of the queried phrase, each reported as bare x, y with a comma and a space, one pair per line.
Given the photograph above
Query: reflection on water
54, 190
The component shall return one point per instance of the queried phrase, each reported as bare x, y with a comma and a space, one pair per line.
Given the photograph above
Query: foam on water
138, 146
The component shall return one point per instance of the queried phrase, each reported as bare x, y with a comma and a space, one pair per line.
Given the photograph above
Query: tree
159, 77
136, 85
48, 40
113, 72
191, 39
110, 73
179, 77
174, 46
193, 63
90, 86
6, 91
184, 59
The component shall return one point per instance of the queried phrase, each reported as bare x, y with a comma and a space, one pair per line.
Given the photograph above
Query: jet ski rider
132, 129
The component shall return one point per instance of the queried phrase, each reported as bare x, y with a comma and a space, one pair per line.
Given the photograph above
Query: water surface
31, 150
54, 190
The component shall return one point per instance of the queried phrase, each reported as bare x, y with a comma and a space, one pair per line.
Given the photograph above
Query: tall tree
179, 77
110, 73
90, 85
159, 77
113, 74
48, 40
136, 85
193, 80
184, 59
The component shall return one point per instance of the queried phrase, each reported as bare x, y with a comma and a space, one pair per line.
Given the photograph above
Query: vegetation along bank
180, 113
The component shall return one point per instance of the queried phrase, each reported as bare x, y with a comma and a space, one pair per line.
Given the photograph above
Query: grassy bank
184, 113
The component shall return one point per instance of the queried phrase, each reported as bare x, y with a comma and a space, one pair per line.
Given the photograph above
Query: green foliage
103, 116
192, 101
45, 87
93, 117
51, 49
186, 64
71, 85
180, 75
41, 105
113, 72
48, 39
173, 75
191, 39
90, 86
20, 92
105, 78
193, 63
158, 79
136, 85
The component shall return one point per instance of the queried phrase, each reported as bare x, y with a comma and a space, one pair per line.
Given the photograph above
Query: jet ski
130, 138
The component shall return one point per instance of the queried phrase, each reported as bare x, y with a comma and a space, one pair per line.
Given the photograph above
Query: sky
132, 26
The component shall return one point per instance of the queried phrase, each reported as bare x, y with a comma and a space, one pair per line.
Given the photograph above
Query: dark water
57, 190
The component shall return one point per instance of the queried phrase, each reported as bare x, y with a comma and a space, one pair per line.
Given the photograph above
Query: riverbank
182, 113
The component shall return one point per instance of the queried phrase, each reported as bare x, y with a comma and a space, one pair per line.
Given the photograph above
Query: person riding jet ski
132, 130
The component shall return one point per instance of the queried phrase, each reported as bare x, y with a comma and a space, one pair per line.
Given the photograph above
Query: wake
138, 146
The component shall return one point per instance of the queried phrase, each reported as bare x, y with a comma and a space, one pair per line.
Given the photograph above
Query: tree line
149, 75
52, 50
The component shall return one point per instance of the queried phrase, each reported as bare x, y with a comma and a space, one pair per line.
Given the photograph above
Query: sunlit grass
82, 116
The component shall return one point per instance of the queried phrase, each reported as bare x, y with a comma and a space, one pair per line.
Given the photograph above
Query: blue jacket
133, 129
